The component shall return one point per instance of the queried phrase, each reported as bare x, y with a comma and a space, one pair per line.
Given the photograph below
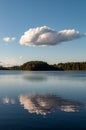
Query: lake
42, 100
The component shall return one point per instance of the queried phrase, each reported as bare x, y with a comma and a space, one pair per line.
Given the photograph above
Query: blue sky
18, 16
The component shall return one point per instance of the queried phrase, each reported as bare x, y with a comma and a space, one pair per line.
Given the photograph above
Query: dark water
42, 100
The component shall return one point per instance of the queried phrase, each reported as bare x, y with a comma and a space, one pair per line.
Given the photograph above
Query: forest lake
42, 100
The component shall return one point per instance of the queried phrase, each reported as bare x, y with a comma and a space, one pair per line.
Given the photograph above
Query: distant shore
43, 66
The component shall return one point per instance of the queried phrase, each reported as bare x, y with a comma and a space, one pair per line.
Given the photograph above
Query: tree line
43, 66
71, 66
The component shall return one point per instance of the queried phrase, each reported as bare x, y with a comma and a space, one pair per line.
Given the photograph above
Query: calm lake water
42, 100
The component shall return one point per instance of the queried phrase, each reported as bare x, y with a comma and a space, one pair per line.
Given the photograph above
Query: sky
53, 31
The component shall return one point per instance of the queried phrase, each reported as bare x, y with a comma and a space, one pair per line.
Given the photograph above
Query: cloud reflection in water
46, 103
7, 100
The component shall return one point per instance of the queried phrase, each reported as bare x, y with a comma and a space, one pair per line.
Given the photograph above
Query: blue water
42, 100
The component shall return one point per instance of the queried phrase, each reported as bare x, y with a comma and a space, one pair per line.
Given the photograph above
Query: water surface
42, 100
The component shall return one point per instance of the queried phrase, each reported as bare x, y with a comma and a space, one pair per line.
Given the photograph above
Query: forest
44, 66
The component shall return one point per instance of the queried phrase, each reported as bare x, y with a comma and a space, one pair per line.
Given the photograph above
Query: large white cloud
45, 36
9, 39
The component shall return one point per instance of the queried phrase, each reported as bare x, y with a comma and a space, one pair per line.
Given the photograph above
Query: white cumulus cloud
9, 39
45, 36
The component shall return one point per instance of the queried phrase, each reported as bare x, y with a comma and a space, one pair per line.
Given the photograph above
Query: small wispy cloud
46, 36
20, 57
9, 62
84, 34
9, 39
